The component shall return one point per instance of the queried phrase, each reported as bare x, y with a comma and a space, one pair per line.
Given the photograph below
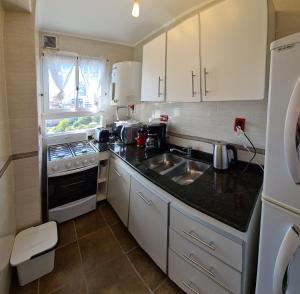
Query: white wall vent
49, 42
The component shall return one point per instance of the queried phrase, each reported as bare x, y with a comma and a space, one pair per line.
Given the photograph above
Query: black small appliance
102, 135
157, 137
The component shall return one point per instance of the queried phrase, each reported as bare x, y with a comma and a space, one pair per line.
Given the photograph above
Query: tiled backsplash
212, 120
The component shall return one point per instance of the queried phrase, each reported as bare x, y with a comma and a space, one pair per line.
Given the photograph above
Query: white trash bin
33, 252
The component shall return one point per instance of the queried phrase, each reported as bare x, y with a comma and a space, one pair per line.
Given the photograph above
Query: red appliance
141, 138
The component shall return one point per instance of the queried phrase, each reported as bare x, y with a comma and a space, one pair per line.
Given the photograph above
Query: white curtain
61, 68
93, 72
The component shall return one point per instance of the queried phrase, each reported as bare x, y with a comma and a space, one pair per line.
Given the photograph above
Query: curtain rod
69, 53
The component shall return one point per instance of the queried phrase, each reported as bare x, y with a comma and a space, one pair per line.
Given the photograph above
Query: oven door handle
73, 171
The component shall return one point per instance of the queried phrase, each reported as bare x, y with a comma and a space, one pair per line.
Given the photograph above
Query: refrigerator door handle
292, 134
287, 250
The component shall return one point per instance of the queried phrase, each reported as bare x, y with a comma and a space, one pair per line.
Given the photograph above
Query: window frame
47, 113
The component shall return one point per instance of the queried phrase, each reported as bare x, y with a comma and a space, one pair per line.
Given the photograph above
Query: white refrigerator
279, 249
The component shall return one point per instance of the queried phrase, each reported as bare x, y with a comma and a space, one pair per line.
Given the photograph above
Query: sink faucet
188, 151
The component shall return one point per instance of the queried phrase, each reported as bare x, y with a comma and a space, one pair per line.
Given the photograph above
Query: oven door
72, 185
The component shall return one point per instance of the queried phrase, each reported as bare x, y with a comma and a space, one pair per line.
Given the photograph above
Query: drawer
148, 222
216, 244
209, 265
189, 279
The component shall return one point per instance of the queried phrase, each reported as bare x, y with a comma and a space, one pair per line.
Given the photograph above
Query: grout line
138, 274
58, 288
135, 270
130, 250
161, 284
80, 257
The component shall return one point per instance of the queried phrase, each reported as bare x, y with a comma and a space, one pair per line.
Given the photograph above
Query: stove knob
85, 161
92, 160
68, 165
77, 163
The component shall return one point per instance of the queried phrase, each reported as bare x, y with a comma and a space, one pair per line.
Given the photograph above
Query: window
73, 88
54, 126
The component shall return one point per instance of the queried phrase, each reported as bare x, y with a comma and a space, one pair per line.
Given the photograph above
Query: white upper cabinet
183, 62
154, 69
233, 50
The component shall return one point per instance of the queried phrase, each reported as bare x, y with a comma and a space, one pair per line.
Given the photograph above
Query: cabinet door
148, 222
183, 62
234, 50
118, 190
154, 70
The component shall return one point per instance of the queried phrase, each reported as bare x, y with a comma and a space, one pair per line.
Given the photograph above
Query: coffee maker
157, 137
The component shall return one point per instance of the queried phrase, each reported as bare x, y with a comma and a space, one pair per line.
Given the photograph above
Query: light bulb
136, 9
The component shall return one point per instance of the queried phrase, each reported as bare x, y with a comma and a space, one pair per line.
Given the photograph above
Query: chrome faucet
188, 151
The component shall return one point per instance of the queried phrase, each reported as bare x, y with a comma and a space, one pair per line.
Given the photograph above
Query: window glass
91, 76
55, 126
62, 99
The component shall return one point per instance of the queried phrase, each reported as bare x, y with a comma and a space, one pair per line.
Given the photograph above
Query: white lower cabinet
199, 253
190, 279
205, 264
148, 222
119, 188
216, 244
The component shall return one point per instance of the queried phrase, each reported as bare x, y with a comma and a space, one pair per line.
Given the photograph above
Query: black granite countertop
229, 197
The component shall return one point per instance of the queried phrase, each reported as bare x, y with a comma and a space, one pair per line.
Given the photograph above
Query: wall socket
239, 121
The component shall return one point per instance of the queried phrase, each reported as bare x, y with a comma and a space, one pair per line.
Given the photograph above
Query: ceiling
109, 20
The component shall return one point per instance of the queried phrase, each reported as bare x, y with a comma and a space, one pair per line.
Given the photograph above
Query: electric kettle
223, 155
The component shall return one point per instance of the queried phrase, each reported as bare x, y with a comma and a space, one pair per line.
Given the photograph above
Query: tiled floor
96, 254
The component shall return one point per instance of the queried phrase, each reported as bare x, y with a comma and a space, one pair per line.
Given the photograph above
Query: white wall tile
212, 120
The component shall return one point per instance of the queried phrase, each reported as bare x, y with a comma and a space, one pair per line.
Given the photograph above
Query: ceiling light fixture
136, 8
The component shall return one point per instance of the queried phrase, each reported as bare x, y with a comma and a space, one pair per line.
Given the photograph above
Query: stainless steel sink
163, 163
188, 172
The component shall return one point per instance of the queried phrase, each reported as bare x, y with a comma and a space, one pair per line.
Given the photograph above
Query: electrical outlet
241, 122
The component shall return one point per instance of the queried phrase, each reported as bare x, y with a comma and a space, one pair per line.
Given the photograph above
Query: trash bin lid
34, 241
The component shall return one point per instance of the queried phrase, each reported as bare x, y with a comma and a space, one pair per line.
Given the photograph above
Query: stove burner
80, 148
59, 151
69, 150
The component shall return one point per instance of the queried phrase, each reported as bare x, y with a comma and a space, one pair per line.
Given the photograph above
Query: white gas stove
72, 176
70, 152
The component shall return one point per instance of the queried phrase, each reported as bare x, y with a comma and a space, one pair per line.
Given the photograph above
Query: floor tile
98, 248
67, 269
126, 240
115, 277
108, 213
88, 223
78, 287
67, 233
149, 271
168, 287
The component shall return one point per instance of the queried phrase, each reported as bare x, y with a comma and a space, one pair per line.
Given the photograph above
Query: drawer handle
118, 174
193, 235
205, 270
191, 259
148, 202
188, 285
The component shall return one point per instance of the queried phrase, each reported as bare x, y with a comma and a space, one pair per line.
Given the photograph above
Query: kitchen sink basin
188, 172
163, 163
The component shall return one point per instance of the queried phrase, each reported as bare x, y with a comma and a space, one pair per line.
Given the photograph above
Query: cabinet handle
188, 285
205, 81
204, 269
159, 82
193, 84
118, 174
190, 258
193, 235
148, 202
